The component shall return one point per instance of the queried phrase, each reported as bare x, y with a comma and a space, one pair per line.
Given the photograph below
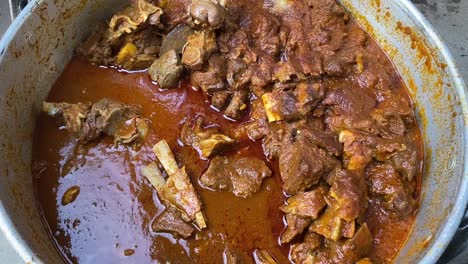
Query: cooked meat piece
262, 256
96, 49
238, 74
133, 18
285, 72
302, 164
257, 127
220, 99
138, 49
166, 70
332, 226
347, 251
178, 190
200, 45
291, 105
349, 194
212, 78
304, 252
207, 14
264, 27
406, 162
171, 221
176, 39
386, 183
231, 257
360, 148
306, 204
295, 226
237, 105
242, 175
392, 116
88, 121
208, 140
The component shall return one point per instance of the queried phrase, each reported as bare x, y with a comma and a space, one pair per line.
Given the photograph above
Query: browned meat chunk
347, 251
304, 252
331, 226
220, 99
133, 18
171, 221
176, 39
306, 204
349, 194
88, 121
212, 78
302, 164
166, 70
126, 42
237, 105
386, 183
200, 45
295, 226
207, 14
262, 256
208, 140
291, 105
360, 148
177, 190
242, 175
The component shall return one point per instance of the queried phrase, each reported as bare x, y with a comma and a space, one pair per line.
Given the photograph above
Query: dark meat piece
200, 45
332, 226
264, 27
138, 49
306, 204
212, 78
360, 148
133, 18
295, 226
238, 74
171, 221
176, 39
220, 99
286, 72
386, 183
231, 257
304, 252
207, 14
243, 175
95, 49
208, 141
177, 190
291, 105
302, 164
237, 105
166, 70
257, 127
349, 194
99, 47
88, 121
347, 251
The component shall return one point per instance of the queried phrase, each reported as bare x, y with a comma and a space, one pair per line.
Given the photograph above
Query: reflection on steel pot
40, 42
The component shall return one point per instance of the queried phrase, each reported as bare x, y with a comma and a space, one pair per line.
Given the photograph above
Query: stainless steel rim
445, 234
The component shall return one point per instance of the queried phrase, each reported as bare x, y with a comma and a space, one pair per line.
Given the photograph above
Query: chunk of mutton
177, 190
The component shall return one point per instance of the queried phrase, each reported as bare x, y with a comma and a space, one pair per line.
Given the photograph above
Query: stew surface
293, 135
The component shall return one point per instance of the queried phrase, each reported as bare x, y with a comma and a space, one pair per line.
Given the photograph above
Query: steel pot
40, 42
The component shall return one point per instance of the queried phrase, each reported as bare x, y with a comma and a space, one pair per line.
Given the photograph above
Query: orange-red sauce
110, 220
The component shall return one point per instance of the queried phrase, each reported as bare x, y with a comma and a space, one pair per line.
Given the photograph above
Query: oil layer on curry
206, 131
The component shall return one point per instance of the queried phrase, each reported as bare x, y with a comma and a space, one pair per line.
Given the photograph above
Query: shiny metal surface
27, 45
